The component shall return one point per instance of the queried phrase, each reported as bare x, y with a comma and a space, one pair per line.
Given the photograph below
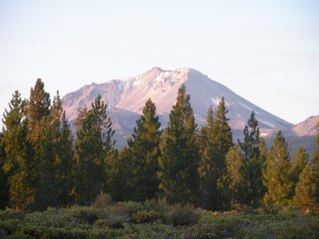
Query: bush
180, 215
145, 216
102, 200
85, 215
126, 208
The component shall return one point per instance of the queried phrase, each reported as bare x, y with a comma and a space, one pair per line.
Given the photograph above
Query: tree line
42, 165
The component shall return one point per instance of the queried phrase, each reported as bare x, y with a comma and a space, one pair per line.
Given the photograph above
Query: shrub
102, 200
126, 208
145, 216
180, 215
85, 215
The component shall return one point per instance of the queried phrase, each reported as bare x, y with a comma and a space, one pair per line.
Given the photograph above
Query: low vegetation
154, 219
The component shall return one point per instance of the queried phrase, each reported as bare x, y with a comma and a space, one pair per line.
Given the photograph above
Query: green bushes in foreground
154, 219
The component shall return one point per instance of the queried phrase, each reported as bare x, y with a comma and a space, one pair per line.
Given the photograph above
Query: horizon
268, 53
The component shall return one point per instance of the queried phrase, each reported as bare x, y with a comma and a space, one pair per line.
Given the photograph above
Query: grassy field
154, 219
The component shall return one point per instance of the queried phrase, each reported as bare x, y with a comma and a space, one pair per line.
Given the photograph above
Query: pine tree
38, 123
119, 175
276, 175
93, 143
54, 151
17, 148
144, 147
297, 166
252, 165
207, 165
4, 187
307, 190
236, 181
215, 141
38, 108
179, 153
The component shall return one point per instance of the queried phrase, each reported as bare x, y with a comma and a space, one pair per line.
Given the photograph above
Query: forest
177, 181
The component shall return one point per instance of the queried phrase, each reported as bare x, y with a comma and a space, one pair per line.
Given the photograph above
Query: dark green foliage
92, 147
144, 153
246, 171
4, 187
215, 140
179, 153
119, 175
54, 151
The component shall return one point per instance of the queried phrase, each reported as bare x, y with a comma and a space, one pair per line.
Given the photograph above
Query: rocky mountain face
126, 98
307, 127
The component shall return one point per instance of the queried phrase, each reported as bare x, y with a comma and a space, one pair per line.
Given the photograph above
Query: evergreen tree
307, 189
144, 147
179, 153
297, 166
120, 175
38, 131
215, 141
207, 165
38, 109
17, 164
252, 165
54, 151
276, 175
236, 181
93, 143
4, 187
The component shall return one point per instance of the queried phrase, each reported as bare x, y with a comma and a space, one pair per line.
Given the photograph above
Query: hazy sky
266, 51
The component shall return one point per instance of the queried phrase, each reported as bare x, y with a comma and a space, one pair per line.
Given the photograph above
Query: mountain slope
126, 98
306, 127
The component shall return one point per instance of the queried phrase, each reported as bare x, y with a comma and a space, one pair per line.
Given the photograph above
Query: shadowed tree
179, 153
92, 147
144, 151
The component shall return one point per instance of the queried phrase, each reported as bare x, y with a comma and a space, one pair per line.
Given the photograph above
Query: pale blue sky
265, 51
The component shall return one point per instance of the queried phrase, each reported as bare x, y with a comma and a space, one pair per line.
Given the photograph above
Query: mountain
126, 98
307, 127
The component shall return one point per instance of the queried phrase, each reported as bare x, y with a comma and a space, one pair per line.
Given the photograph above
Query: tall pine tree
236, 181
4, 187
215, 142
144, 147
307, 190
120, 175
277, 176
93, 143
38, 108
54, 150
18, 160
179, 153
253, 164
297, 166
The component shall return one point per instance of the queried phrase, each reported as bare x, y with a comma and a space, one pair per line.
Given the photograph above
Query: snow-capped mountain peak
129, 95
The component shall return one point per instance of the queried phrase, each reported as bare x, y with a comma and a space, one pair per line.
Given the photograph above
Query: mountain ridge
126, 98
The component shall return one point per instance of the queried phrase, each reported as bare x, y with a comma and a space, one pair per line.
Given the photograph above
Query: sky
265, 51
